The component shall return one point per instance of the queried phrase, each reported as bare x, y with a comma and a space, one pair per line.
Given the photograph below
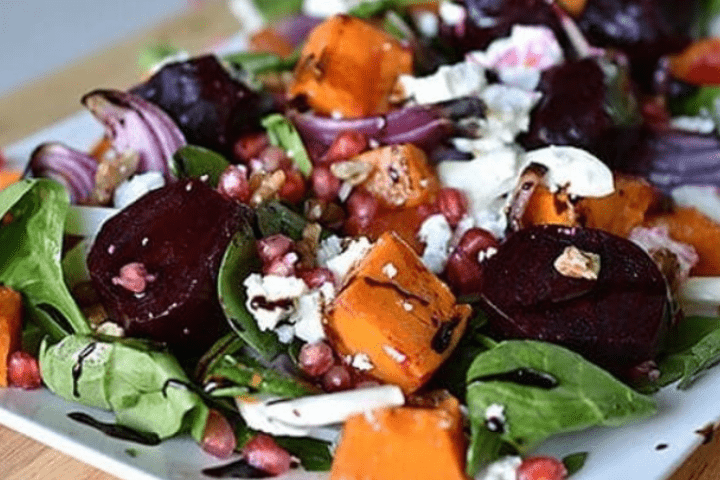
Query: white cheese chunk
448, 83
272, 288
436, 233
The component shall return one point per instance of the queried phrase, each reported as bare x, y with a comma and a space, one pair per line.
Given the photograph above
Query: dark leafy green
371, 9
154, 54
273, 217
314, 455
277, 9
585, 395
705, 98
282, 133
30, 254
192, 161
693, 347
131, 382
239, 261
262, 62
574, 462
248, 373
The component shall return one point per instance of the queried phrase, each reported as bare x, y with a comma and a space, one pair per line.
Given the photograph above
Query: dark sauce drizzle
442, 338
261, 302
78, 367
238, 469
116, 431
525, 376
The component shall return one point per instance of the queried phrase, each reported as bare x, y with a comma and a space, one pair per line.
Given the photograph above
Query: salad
392, 239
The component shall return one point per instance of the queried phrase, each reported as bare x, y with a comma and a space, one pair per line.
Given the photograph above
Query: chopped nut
269, 187
111, 172
353, 172
576, 263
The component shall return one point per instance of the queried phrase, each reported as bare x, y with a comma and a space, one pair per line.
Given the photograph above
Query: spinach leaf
249, 373
262, 62
314, 455
282, 133
694, 346
574, 462
581, 396
369, 9
239, 261
154, 54
276, 9
191, 161
30, 254
133, 383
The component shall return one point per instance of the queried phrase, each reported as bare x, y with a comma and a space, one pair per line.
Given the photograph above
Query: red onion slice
72, 168
136, 124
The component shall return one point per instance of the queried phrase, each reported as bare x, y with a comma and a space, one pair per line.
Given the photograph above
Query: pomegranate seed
233, 184
541, 468
250, 146
282, 266
452, 203
272, 247
424, 210
316, 358
337, 378
316, 277
23, 371
218, 438
293, 190
133, 277
325, 185
274, 158
362, 205
264, 454
345, 146
463, 270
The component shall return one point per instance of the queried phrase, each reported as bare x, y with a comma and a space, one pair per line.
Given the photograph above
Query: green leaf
694, 347
620, 102
262, 62
277, 9
584, 394
574, 462
273, 218
484, 448
133, 383
314, 455
705, 98
373, 8
154, 54
30, 254
246, 372
191, 161
282, 133
239, 261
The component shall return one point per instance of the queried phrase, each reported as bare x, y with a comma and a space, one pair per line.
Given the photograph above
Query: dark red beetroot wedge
179, 234
544, 284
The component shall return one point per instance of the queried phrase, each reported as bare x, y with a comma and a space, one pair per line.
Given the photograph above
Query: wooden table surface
47, 100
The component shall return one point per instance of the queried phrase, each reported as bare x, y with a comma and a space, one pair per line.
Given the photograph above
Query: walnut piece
576, 263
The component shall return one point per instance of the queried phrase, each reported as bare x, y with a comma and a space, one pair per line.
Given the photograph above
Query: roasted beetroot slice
616, 320
179, 233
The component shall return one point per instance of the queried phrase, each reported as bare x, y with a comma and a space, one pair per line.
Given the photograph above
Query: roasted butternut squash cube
349, 67
396, 443
395, 316
10, 328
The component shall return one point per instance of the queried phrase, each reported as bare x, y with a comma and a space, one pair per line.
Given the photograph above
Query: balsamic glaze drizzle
237, 469
116, 431
77, 368
528, 377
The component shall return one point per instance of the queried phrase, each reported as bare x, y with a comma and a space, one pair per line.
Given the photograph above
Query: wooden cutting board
42, 102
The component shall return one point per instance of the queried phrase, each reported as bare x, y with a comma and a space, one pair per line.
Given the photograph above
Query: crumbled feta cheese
389, 270
308, 314
328, 8
341, 264
428, 24
451, 13
361, 361
576, 263
272, 288
576, 171
449, 82
407, 306
435, 233
486, 254
508, 112
503, 469
137, 186
328, 248
285, 333
395, 354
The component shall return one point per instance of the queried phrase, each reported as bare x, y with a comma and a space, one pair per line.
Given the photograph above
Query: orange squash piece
397, 314
689, 226
8, 177
573, 7
698, 64
269, 41
545, 208
403, 443
349, 67
10, 328
626, 208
